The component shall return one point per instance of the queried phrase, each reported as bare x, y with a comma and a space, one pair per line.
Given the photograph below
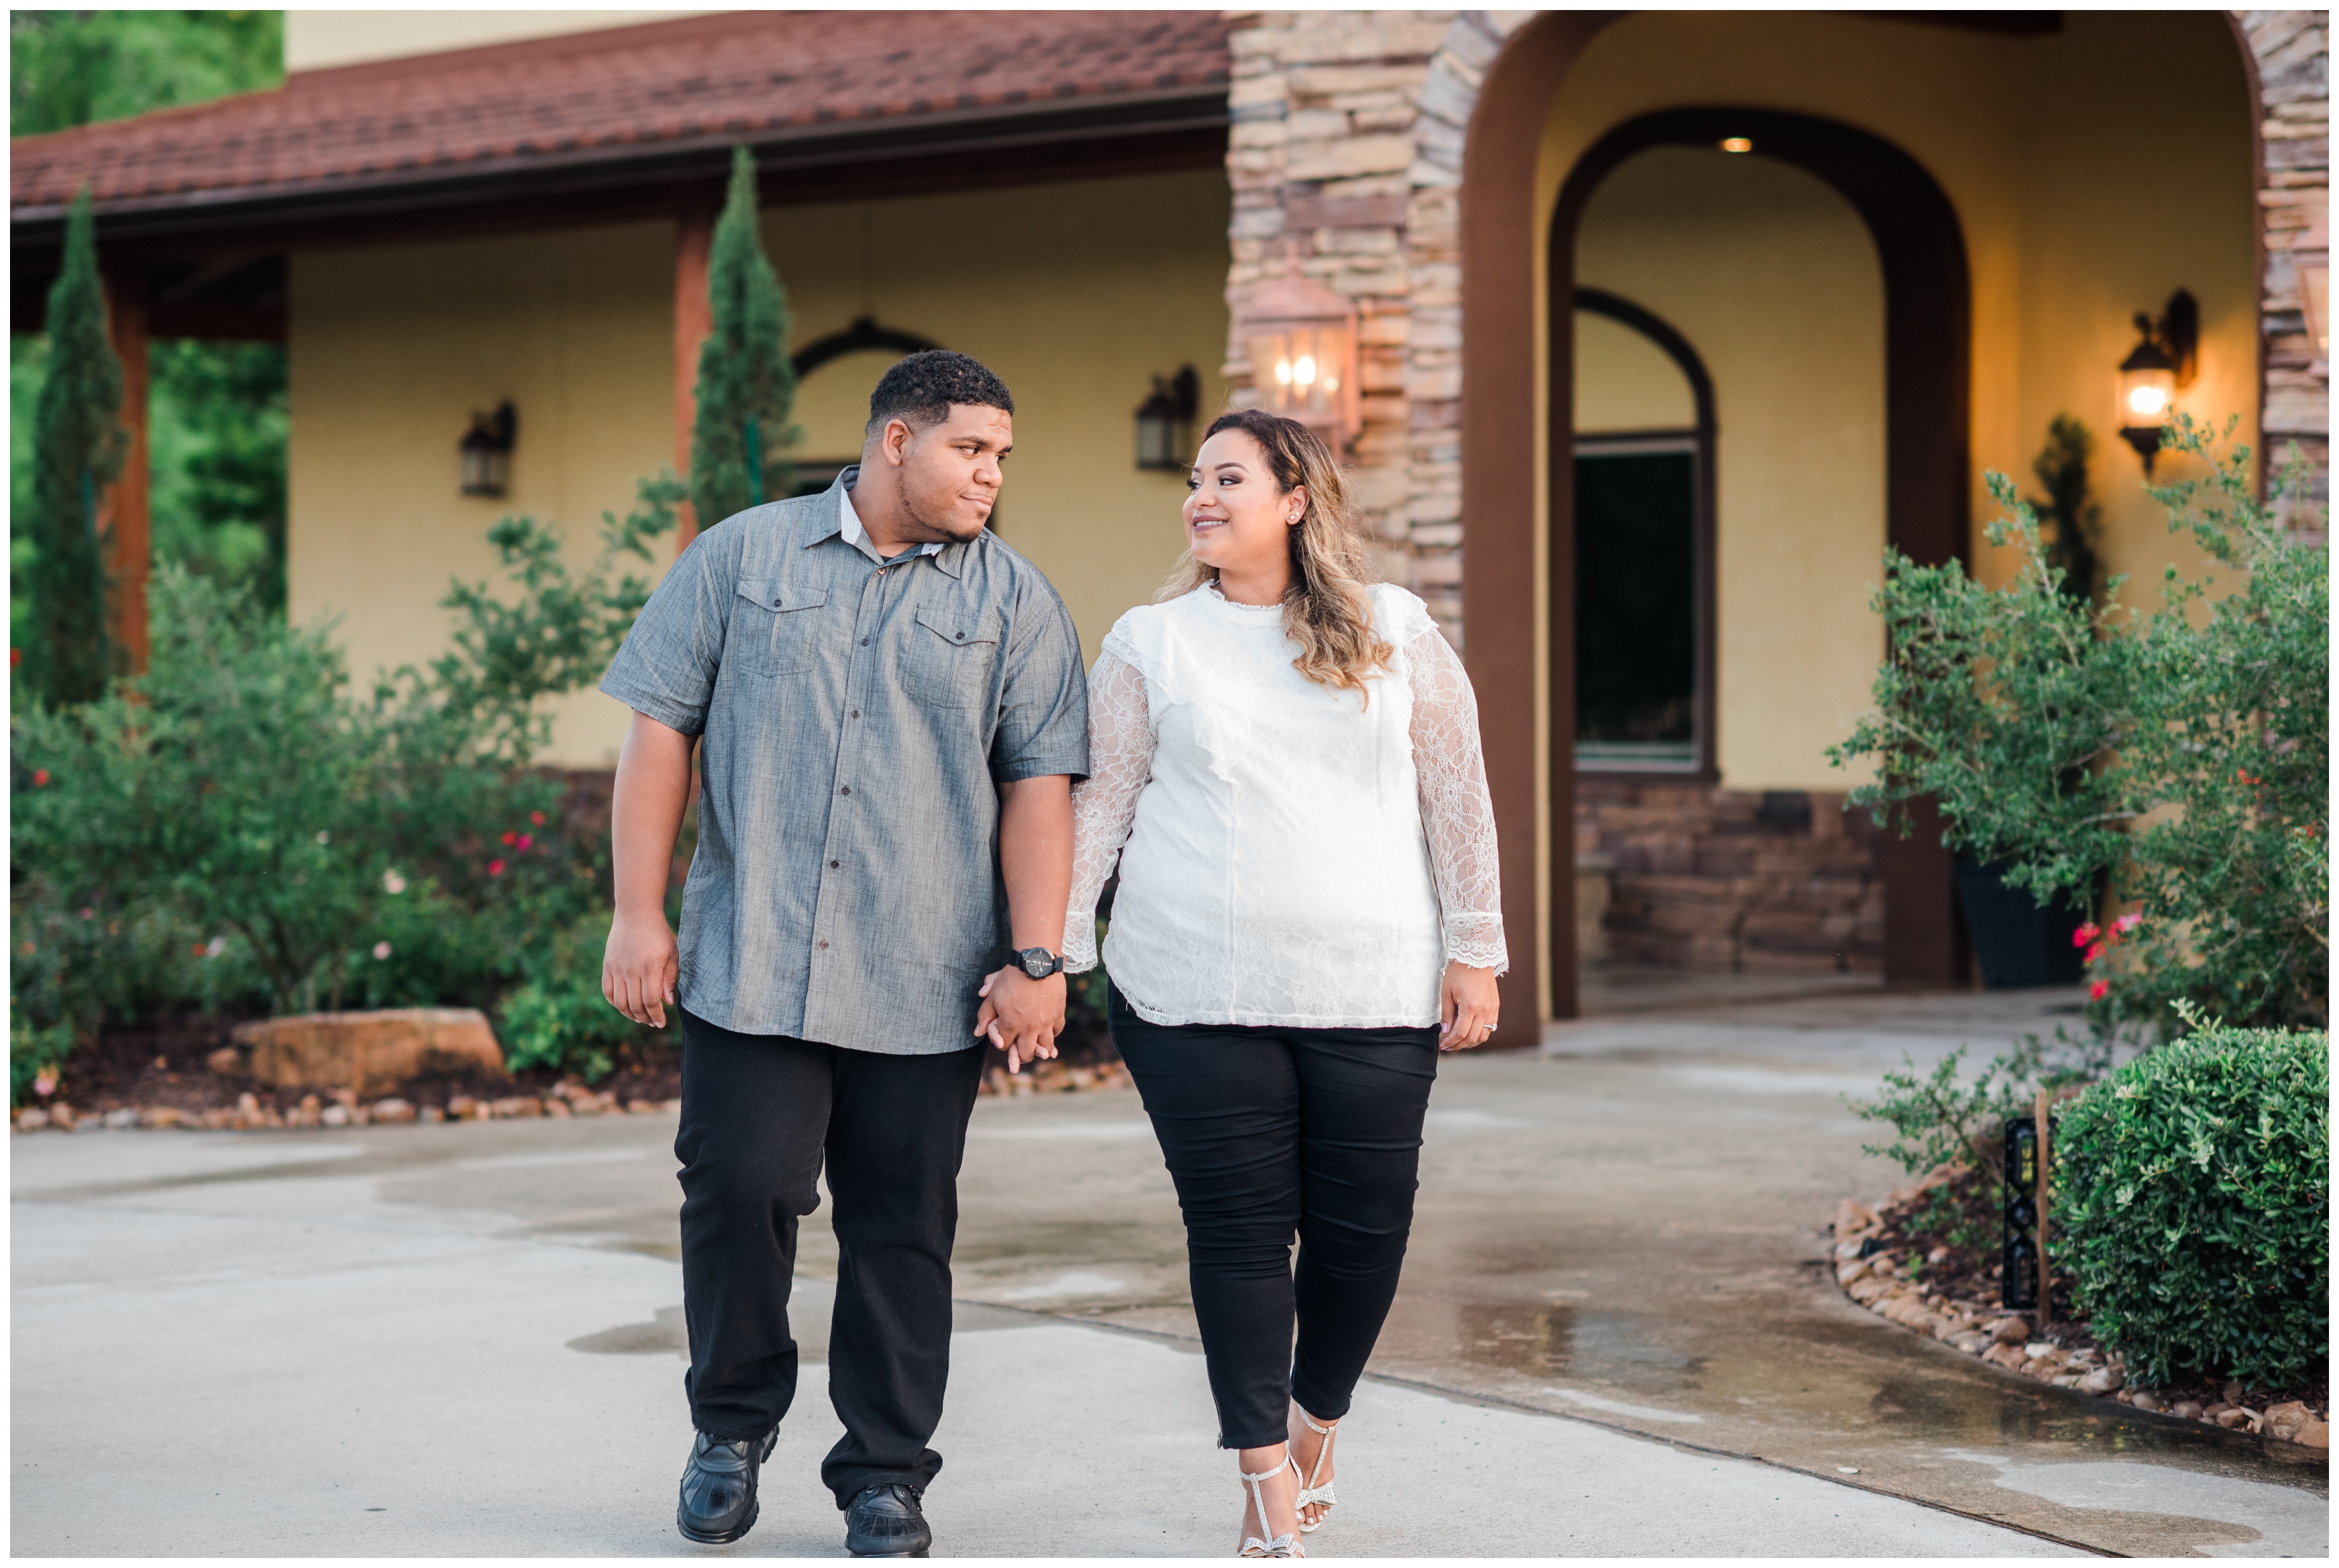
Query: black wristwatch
1036, 961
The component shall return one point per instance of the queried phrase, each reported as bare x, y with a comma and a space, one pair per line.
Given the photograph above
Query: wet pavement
1614, 1291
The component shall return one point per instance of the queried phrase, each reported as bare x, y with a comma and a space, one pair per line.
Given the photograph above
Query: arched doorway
1920, 247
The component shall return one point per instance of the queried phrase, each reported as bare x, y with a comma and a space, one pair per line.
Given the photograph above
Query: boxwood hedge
2193, 1206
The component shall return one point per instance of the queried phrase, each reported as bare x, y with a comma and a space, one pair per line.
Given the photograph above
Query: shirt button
846, 790
962, 636
856, 713
865, 642
824, 944
832, 865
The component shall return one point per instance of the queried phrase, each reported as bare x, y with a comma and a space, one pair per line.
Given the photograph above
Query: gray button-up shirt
857, 717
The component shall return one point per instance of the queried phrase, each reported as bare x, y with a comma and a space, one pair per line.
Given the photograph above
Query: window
1642, 493
1636, 500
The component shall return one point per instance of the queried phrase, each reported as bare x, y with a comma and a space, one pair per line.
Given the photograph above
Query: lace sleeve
1457, 814
1104, 804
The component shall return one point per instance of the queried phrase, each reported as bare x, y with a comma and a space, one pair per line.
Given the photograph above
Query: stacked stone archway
1391, 151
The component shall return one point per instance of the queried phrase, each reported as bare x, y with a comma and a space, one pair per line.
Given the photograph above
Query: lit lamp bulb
1304, 372
1282, 373
2147, 389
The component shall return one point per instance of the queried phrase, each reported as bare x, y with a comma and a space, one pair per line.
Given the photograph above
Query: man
883, 691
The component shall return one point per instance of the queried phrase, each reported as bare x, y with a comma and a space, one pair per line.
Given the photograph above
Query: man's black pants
1272, 1134
760, 1115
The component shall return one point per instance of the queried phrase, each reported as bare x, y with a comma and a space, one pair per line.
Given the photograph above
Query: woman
1286, 765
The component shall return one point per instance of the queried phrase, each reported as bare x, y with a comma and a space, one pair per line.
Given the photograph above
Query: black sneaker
718, 1488
886, 1522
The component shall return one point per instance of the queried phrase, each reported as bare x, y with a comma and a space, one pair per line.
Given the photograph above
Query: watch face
1037, 964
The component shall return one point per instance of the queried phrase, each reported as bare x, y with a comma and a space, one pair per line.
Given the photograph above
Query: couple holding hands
913, 798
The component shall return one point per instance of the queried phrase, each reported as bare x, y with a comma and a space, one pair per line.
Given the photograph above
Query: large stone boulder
368, 1052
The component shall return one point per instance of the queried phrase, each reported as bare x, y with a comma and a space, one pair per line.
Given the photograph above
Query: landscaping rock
2188, 1408
2235, 1417
1972, 1341
2145, 1400
227, 1062
2012, 1331
2286, 1420
1845, 1273
2314, 1434
2007, 1355
392, 1110
32, 1116
1866, 1290
2102, 1380
370, 1051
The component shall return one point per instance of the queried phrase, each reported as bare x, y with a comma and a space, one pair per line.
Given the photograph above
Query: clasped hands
1021, 1015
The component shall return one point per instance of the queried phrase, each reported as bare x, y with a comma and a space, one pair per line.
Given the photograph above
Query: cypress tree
79, 444
746, 385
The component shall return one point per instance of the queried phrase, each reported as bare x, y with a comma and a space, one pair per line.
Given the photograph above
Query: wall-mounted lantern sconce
2161, 363
487, 450
1165, 422
1302, 340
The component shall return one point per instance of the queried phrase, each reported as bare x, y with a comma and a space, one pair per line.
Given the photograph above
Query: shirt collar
849, 527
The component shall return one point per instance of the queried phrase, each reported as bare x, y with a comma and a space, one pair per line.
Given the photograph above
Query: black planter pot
2017, 941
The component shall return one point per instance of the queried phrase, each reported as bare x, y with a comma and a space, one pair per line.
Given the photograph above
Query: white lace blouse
1290, 854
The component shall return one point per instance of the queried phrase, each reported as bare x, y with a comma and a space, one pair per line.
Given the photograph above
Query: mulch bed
161, 1075
1927, 1258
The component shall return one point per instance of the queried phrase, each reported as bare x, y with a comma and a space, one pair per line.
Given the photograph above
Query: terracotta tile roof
621, 93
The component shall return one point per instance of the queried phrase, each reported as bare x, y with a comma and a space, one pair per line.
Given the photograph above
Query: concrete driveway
465, 1340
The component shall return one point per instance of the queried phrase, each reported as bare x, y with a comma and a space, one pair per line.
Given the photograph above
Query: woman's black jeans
1272, 1134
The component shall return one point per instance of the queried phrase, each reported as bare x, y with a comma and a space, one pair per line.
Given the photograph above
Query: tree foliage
2182, 748
747, 386
67, 68
216, 411
78, 443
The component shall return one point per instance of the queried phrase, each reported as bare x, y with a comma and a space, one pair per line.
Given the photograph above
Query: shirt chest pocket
776, 629
947, 656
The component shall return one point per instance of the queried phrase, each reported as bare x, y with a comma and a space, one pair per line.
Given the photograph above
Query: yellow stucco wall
315, 39
1075, 293
1623, 382
2093, 171
1771, 276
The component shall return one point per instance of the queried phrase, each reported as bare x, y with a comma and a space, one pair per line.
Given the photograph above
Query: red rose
495, 868
40, 777
2100, 989
508, 839
536, 818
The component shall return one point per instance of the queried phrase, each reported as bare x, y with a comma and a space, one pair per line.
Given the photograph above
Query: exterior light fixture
1737, 143
487, 450
1302, 341
2156, 369
1165, 422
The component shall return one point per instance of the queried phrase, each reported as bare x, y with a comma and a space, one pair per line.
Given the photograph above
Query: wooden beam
125, 521
694, 242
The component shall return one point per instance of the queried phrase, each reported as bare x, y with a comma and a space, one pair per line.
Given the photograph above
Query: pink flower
2094, 952
2085, 934
2127, 922
526, 841
507, 839
381, 951
2100, 989
40, 777
495, 868
535, 818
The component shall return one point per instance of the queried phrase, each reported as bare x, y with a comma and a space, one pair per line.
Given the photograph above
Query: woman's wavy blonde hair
1326, 610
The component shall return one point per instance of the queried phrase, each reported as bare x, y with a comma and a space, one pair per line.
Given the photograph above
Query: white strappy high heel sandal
1311, 1491
1261, 1546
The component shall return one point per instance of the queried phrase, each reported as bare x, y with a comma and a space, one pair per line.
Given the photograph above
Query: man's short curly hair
920, 390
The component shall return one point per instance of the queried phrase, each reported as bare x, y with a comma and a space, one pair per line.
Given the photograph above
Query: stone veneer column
1347, 148
1322, 159
2292, 53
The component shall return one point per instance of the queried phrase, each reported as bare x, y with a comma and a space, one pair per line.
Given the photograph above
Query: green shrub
2184, 748
559, 1019
234, 828
2192, 1205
